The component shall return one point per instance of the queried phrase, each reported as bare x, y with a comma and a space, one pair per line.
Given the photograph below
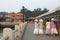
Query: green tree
26, 12
36, 12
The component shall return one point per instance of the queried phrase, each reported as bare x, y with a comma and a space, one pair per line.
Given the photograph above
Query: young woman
53, 27
36, 27
40, 27
48, 31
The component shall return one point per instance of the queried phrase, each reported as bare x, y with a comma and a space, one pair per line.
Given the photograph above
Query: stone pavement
28, 35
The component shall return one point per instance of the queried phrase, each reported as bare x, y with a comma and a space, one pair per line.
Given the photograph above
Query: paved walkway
28, 35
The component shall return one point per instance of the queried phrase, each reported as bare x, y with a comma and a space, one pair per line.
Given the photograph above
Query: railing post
7, 32
17, 33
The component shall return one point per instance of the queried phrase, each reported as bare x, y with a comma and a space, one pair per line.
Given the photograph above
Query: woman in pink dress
53, 27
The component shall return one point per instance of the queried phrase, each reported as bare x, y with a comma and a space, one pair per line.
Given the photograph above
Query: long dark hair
55, 23
47, 20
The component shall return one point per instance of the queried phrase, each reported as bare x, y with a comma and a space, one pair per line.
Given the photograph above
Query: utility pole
23, 13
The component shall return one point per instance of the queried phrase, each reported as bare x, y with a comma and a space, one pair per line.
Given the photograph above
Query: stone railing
16, 34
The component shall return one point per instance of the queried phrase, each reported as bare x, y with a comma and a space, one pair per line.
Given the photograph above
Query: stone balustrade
16, 34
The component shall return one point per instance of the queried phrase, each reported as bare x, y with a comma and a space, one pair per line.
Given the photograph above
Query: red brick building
17, 17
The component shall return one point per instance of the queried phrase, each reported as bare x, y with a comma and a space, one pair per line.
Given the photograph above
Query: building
16, 17
51, 14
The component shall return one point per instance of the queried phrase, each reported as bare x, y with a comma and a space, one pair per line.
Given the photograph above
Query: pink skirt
48, 31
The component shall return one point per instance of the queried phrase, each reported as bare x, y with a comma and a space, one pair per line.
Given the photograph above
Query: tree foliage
36, 12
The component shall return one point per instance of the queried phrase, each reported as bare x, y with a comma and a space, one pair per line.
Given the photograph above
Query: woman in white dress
40, 27
35, 27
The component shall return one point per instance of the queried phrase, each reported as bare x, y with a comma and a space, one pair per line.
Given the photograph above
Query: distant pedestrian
48, 31
53, 27
36, 26
40, 27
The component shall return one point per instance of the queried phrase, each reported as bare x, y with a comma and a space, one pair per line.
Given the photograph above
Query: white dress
40, 27
36, 28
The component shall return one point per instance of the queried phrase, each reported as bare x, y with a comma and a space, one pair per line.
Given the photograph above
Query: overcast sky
16, 5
